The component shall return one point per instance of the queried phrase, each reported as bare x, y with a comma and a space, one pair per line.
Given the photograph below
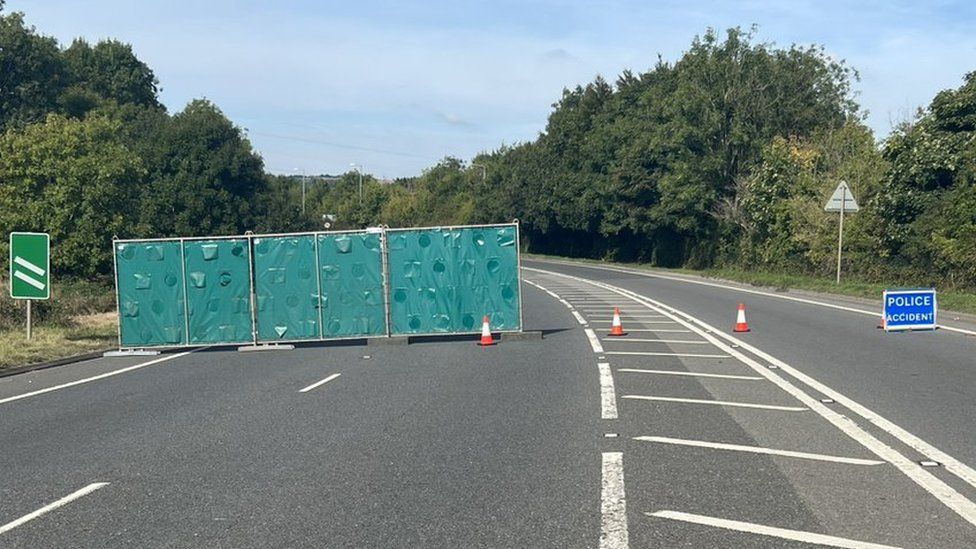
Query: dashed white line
608, 397
579, 318
613, 503
318, 383
772, 531
52, 506
758, 450
594, 341
648, 353
637, 340
95, 378
718, 403
693, 374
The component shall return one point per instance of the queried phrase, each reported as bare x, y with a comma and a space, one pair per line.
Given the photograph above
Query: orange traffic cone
740, 319
616, 328
486, 339
881, 325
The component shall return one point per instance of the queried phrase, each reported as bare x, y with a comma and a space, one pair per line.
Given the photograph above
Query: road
676, 435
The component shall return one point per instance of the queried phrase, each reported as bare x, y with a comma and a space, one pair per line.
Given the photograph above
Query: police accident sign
910, 309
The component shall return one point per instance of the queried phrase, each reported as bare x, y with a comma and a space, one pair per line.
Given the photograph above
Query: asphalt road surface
807, 431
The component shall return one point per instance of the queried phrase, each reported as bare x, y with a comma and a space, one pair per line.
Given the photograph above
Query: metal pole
29, 319
840, 231
115, 273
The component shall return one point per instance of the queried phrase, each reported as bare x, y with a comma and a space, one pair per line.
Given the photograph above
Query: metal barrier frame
252, 298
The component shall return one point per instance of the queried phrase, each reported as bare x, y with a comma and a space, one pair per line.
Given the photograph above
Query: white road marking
29, 266
52, 506
875, 314
608, 397
32, 281
317, 383
648, 353
631, 315
636, 321
771, 531
594, 342
636, 340
613, 503
660, 330
947, 495
693, 374
759, 450
579, 317
95, 378
950, 463
718, 402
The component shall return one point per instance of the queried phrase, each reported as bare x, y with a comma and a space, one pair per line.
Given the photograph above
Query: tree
109, 71
72, 178
31, 72
203, 176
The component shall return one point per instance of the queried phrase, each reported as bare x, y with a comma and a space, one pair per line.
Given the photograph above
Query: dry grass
86, 333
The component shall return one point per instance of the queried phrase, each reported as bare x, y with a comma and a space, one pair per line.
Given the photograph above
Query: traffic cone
881, 325
740, 319
486, 339
616, 328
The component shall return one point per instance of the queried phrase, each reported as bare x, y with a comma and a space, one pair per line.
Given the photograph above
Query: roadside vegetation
720, 160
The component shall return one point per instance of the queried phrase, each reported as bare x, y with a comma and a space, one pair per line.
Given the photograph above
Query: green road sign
30, 265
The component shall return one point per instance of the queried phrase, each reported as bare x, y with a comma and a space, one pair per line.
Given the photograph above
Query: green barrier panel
286, 288
218, 290
446, 280
351, 278
149, 280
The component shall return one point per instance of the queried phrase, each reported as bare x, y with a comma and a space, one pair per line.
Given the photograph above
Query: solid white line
29, 266
33, 282
594, 342
635, 321
634, 340
759, 450
579, 317
772, 531
947, 495
608, 397
95, 378
718, 402
317, 383
613, 503
686, 355
52, 506
694, 374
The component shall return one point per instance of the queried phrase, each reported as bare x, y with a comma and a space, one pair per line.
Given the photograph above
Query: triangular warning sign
842, 195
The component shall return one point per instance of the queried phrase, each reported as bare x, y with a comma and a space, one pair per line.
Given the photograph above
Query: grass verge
85, 333
963, 302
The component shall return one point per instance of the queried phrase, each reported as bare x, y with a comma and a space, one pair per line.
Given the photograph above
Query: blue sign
910, 309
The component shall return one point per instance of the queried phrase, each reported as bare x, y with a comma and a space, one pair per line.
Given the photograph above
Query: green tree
31, 72
74, 179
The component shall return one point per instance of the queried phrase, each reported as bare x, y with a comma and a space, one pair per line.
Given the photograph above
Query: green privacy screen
286, 288
446, 280
317, 286
218, 290
150, 292
351, 277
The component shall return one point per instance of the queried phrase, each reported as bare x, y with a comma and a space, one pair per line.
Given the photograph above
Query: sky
396, 86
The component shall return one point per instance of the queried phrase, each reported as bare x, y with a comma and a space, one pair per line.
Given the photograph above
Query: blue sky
395, 86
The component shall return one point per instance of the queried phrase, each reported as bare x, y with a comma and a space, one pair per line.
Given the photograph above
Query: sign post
841, 201
30, 269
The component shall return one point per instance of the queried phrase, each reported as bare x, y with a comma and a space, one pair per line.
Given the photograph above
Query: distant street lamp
484, 171
303, 189
359, 169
